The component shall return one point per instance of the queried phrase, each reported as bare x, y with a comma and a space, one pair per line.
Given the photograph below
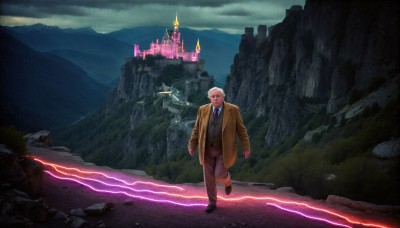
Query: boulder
388, 149
98, 209
39, 139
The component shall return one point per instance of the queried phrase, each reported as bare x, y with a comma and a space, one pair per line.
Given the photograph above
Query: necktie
215, 113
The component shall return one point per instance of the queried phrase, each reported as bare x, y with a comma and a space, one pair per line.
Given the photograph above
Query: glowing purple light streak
54, 166
308, 216
129, 188
125, 193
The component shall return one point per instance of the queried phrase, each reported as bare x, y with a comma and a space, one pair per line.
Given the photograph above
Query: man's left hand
246, 154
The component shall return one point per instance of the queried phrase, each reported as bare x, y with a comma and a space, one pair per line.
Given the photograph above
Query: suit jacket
232, 126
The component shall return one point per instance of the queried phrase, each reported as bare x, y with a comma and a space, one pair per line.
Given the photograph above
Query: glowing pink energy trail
308, 216
124, 187
125, 193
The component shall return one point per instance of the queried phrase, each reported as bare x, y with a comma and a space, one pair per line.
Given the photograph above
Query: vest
214, 131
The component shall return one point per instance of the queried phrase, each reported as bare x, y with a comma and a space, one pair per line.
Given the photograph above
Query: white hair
215, 88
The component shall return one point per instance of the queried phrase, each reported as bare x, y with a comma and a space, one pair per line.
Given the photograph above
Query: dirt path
65, 195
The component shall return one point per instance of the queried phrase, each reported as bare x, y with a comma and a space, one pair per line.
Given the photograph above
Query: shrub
361, 178
302, 169
13, 138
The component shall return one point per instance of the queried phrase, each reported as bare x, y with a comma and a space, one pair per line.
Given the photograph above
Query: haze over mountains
42, 90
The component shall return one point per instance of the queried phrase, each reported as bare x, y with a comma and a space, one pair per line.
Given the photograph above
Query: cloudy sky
112, 15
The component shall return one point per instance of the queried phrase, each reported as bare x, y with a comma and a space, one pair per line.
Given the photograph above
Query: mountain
40, 90
217, 47
327, 56
99, 55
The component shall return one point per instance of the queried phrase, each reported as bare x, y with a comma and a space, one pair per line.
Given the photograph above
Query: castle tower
176, 23
198, 46
249, 33
262, 34
196, 55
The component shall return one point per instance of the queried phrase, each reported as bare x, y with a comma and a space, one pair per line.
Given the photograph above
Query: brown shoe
210, 208
228, 189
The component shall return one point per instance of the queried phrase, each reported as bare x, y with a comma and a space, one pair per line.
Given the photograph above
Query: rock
361, 205
34, 172
60, 148
286, 189
60, 216
20, 180
52, 211
77, 222
16, 221
388, 149
101, 224
311, 64
98, 209
267, 185
77, 212
128, 202
35, 210
39, 139
10, 170
8, 209
309, 135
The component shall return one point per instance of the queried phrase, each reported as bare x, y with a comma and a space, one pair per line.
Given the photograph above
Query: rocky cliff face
327, 54
137, 81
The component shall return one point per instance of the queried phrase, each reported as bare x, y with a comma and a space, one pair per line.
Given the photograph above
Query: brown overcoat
232, 126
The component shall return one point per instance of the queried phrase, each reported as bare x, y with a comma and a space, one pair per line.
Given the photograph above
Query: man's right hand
191, 152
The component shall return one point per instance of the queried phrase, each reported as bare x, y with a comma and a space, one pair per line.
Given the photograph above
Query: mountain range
41, 90
96, 60
101, 55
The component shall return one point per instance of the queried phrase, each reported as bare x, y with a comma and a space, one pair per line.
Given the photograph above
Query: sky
106, 16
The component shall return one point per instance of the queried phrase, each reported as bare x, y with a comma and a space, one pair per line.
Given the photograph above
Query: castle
172, 49
171, 46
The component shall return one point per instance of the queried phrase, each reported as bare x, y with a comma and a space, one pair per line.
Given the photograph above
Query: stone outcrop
20, 173
40, 139
388, 149
20, 185
361, 205
177, 139
325, 54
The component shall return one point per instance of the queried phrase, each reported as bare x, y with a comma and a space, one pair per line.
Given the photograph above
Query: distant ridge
42, 90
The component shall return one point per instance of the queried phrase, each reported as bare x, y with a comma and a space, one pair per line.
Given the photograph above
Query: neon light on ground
125, 193
81, 178
105, 175
308, 216
129, 188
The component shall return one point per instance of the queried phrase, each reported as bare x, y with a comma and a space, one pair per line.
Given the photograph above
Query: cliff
328, 55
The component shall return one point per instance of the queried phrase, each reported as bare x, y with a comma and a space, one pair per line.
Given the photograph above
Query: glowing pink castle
171, 47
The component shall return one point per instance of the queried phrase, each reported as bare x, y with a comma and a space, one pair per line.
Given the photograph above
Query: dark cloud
118, 3
112, 15
40, 11
39, 8
236, 12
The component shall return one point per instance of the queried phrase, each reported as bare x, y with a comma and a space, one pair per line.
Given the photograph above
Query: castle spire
198, 44
176, 23
166, 35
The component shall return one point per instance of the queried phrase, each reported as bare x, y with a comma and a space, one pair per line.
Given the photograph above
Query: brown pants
214, 170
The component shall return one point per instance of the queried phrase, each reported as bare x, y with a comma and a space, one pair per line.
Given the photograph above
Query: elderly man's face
216, 98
